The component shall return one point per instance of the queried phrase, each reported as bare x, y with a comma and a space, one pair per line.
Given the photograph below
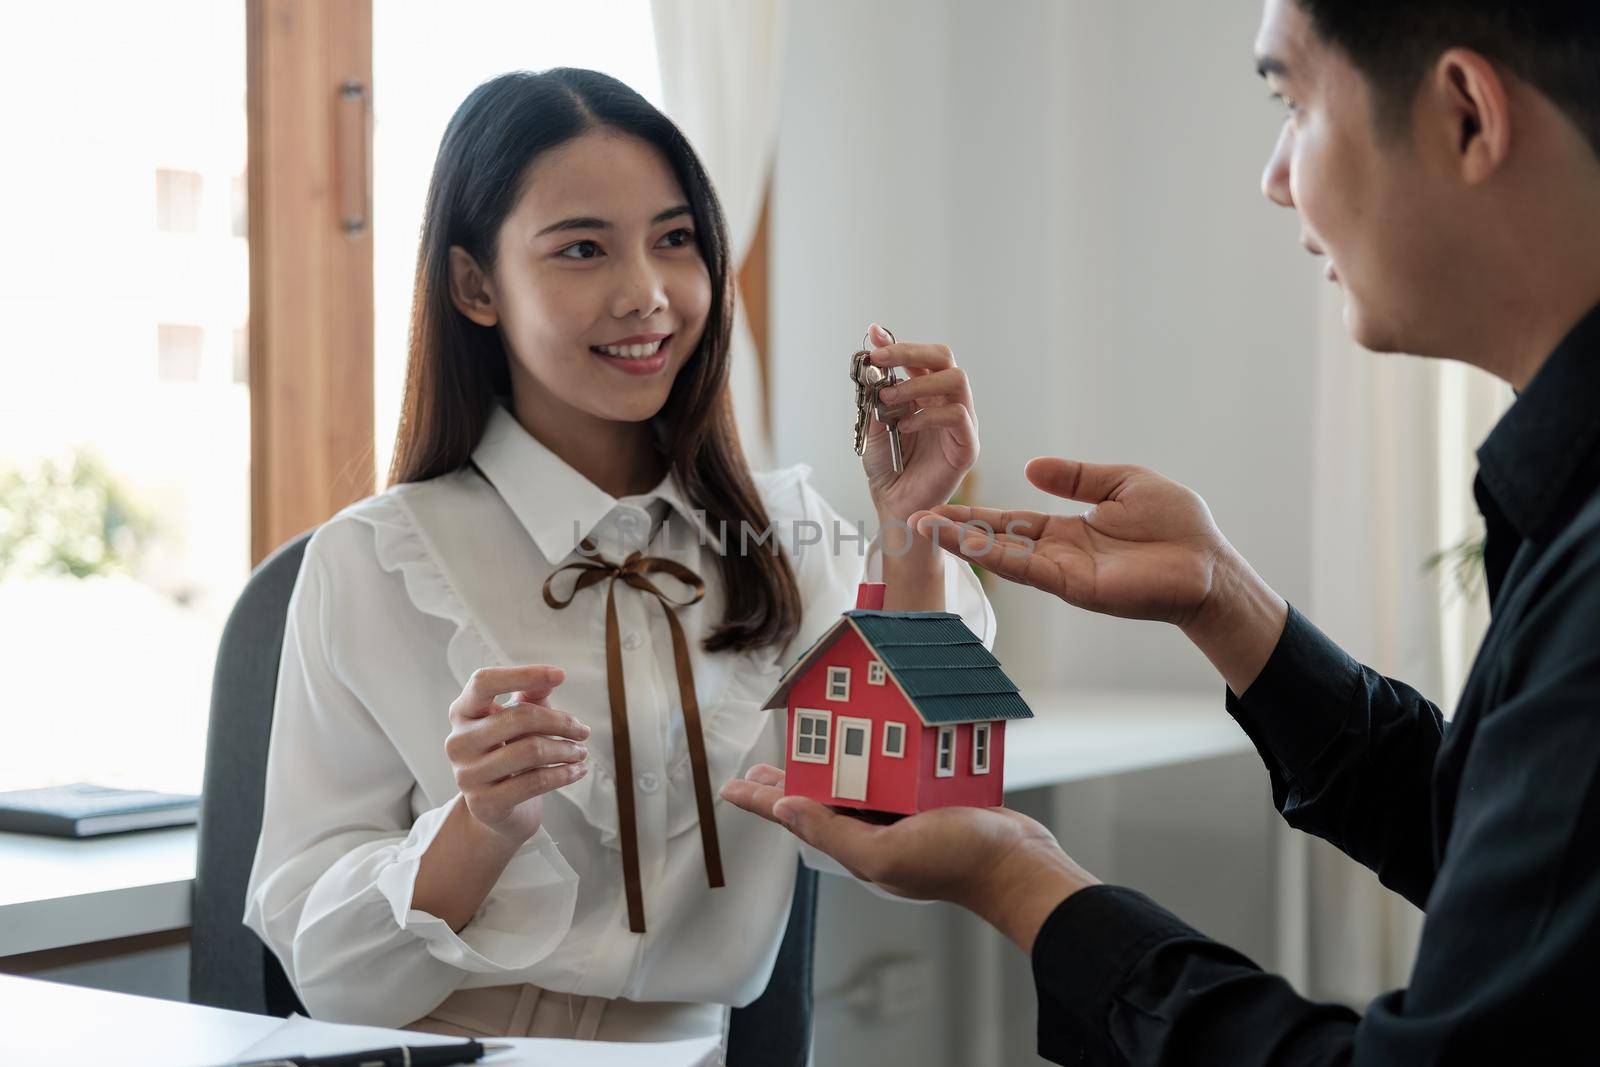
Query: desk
48, 1023
57, 892
66, 1026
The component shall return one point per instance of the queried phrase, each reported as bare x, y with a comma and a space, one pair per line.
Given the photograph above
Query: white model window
946, 766
811, 736
980, 748
894, 739
838, 683
875, 673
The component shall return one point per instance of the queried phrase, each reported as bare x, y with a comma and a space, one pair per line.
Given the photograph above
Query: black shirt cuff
1300, 701
1082, 955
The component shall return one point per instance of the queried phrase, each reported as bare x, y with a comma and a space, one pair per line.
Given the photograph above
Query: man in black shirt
1446, 157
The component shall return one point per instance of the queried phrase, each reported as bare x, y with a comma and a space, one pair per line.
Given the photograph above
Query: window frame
180, 199
986, 746
839, 677
308, 77
802, 715
898, 728
945, 755
877, 673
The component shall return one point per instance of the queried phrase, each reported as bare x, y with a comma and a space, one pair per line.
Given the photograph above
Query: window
980, 748
838, 683
946, 767
241, 207
129, 506
811, 736
178, 351
875, 673
178, 201
241, 356
894, 739
124, 500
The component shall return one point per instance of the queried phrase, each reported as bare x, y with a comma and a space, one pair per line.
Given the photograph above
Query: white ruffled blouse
401, 597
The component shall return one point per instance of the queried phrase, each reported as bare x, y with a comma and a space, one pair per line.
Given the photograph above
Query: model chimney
869, 596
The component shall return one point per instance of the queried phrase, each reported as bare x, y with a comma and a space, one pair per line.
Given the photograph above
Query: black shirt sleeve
1121, 980
1350, 754
1505, 966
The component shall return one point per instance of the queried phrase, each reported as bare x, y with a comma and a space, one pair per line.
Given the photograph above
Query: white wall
1066, 192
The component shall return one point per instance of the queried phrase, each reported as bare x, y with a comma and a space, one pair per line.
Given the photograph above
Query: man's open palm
951, 853
1147, 549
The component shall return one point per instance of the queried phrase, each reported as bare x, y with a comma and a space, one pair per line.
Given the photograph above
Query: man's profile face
1363, 201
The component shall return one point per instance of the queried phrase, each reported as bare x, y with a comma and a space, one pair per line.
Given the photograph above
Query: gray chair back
229, 967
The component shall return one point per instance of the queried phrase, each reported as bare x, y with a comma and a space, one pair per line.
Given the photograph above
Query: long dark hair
457, 368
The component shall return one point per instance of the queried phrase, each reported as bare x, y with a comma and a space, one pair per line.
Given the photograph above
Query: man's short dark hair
1553, 45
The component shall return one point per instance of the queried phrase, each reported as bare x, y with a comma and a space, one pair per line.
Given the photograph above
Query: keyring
866, 338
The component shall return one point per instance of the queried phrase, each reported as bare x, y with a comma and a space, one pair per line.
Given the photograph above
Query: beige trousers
529, 1011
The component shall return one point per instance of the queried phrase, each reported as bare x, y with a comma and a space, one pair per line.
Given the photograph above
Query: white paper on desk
299, 1036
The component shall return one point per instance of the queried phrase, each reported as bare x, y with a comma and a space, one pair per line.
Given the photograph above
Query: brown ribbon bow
634, 571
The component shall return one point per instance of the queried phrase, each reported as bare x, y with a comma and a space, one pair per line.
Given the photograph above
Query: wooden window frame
898, 729
308, 104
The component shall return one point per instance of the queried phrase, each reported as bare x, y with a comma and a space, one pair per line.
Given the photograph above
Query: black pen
399, 1056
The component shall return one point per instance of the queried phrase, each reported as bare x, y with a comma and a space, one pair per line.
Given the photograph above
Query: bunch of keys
869, 381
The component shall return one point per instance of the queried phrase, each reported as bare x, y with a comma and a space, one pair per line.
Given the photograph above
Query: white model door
852, 753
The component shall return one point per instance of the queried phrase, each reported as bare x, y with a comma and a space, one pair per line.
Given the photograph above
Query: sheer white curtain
721, 66
1395, 437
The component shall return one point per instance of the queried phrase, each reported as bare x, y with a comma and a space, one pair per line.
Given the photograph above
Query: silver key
870, 380
890, 415
864, 376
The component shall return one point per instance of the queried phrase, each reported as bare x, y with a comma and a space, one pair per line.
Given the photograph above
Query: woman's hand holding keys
938, 431
507, 756
939, 435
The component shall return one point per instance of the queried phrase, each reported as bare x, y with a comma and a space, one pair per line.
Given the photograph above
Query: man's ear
471, 290
1470, 95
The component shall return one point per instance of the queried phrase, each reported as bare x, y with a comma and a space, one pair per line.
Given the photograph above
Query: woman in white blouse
502, 709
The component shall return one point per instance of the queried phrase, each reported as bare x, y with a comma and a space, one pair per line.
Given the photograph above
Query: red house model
897, 711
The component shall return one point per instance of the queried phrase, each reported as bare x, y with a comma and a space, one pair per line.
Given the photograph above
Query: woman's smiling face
598, 290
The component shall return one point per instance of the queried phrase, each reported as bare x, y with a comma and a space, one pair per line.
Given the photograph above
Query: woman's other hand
505, 757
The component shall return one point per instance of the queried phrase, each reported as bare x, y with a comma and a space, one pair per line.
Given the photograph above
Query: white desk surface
56, 892
47, 1023
53, 1025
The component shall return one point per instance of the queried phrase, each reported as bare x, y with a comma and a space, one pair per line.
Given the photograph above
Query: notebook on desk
84, 810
